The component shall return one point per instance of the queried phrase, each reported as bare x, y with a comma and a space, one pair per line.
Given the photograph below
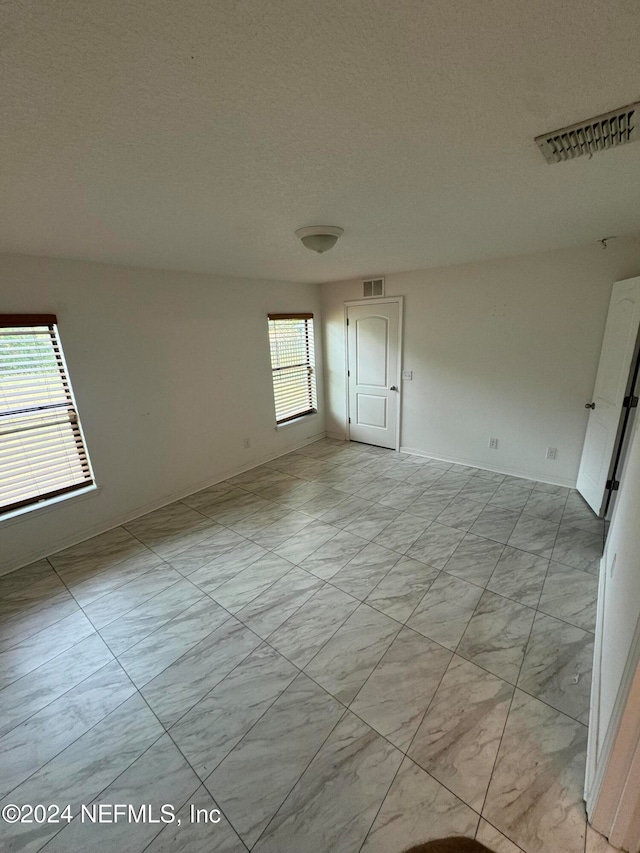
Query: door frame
381, 300
625, 428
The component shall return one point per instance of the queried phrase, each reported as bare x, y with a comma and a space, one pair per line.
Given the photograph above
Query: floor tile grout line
515, 684
361, 600
262, 640
444, 569
135, 607
376, 665
382, 802
96, 631
407, 756
146, 600
191, 648
166, 729
412, 614
378, 733
440, 572
302, 671
476, 472
300, 568
424, 715
165, 732
289, 792
348, 708
325, 583
162, 559
495, 760
359, 605
201, 783
108, 569
117, 656
128, 581
166, 827
511, 684
35, 634
195, 585
405, 621
138, 690
90, 728
118, 561
215, 687
506, 719
182, 612
258, 594
62, 695
102, 790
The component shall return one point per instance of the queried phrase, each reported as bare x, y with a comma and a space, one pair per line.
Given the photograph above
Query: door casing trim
381, 300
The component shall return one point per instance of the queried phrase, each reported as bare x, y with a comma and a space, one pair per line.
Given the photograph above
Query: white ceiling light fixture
320, 238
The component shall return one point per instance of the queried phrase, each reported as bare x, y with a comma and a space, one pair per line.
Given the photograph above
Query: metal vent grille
597, 134
373, 287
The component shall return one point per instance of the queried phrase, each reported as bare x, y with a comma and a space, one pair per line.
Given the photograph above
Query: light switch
407, 374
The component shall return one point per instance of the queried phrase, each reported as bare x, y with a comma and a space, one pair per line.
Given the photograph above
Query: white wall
171, 371
507, 348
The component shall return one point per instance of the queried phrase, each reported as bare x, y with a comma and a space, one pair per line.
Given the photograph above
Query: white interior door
373, 336
616, 357
613, 754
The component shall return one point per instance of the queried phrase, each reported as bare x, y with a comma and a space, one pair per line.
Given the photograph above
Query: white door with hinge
612, 380
373, 357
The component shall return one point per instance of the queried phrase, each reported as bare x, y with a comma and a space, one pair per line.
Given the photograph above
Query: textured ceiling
199, 134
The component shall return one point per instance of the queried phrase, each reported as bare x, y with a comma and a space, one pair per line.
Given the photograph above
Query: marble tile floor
344, 649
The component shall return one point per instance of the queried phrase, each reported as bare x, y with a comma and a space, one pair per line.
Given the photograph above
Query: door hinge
613, 485
348, 373
630, 402
347, 321
349, 420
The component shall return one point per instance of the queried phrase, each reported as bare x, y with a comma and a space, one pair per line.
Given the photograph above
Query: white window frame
38, 414
286, 416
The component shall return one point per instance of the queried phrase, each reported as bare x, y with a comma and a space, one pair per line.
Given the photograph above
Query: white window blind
42, 453
292, 365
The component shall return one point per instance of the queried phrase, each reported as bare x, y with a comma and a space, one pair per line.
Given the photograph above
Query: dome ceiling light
319, 238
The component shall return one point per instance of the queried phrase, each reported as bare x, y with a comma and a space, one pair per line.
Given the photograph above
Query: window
42, 453
292, 365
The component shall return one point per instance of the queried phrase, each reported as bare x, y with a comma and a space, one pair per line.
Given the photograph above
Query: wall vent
373, 287
596, 134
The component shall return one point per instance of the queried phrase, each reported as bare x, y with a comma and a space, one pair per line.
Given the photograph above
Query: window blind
292, 365
42, 453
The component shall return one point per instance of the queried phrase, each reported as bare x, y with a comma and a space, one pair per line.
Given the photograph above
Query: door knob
589, 405
393, 388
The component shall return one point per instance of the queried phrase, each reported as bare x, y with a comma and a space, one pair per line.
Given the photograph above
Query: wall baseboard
510, 472
96, 530
338, 436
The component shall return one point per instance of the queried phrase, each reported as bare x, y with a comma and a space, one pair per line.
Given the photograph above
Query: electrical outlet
247, 443
552, 452
493, 443
407, 374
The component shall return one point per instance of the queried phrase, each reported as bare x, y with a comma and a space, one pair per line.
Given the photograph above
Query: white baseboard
338, 436
511, 472
97, 529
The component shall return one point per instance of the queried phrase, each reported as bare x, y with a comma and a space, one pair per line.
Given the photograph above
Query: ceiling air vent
587, 137
373, 287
